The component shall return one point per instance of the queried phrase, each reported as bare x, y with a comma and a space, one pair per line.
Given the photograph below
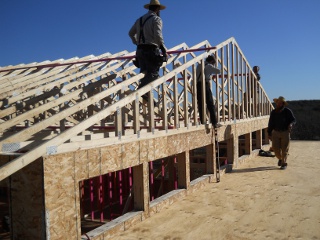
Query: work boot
283, 166
146, 100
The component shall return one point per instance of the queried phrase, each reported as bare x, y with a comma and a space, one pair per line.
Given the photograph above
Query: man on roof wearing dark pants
146, 33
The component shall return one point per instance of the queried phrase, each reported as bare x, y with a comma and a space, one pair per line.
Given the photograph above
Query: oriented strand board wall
28, 221
61, 193
64, 171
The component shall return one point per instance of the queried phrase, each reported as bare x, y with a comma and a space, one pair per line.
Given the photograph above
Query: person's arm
210, 70
158, 35
270, 125
133, 34
291, 119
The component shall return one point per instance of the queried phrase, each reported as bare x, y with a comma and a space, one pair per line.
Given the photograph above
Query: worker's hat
154, 3
282, 99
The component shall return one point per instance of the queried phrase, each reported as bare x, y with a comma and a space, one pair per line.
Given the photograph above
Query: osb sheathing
110, 159
131, 153
61, 192
146, 195
27, 207
64, 171
94, 164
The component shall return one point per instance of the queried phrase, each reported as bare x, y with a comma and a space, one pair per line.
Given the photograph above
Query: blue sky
280, 36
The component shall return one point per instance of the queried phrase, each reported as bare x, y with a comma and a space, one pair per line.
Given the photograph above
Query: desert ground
255, 201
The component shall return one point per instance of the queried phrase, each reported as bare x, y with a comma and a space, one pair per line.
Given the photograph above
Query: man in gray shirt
209, 70
146, 33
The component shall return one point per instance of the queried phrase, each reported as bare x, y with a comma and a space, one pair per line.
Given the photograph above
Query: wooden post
185, 95
136, 122
259, 138
222, 86
230, 151
194, 98
176, 101
210, 158
141, 187
164, 107
266, 137
183, 169
203, 93
248, 143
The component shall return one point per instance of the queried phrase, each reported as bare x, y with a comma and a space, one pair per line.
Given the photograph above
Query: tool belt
147, 47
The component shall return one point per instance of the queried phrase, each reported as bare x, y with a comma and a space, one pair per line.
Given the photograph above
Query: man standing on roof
146, 33
209, 70
280, 125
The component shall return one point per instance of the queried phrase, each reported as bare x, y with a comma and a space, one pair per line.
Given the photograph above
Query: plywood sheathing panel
60, 187
94, 157
27, 208
108, 233
130, 152
200, 138
81, 165
93, 162
160, 148
110, 159
132, 221
146, 195
107, 230
176, 144
166, 200
199, 183
144, 154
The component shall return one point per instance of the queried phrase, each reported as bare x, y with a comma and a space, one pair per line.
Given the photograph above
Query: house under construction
82, 156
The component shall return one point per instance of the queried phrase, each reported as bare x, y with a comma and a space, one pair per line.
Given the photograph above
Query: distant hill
307, 114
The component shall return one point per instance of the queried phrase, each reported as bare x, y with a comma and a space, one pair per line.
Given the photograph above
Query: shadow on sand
257, 169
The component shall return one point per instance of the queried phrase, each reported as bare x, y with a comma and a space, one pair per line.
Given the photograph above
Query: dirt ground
255, 201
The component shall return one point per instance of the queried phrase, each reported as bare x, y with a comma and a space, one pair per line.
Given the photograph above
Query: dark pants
147, 57
209, 101
281, 144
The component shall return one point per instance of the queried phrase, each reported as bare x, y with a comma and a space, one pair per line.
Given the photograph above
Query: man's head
256, 69
154, 5
280, 102
211, 59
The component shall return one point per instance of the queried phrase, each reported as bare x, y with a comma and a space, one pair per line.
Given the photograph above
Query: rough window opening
197, 163
104, 198
163, 177
242, 146
198, 158
223, 153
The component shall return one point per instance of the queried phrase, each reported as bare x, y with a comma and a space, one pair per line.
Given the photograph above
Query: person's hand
269, 137
165, 56
290, 128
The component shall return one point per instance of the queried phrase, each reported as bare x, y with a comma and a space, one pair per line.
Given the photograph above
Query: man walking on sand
280, 125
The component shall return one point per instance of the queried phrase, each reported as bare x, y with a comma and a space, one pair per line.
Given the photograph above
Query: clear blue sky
280, 36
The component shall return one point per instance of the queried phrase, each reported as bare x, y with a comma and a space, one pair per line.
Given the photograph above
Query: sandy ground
255, 201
